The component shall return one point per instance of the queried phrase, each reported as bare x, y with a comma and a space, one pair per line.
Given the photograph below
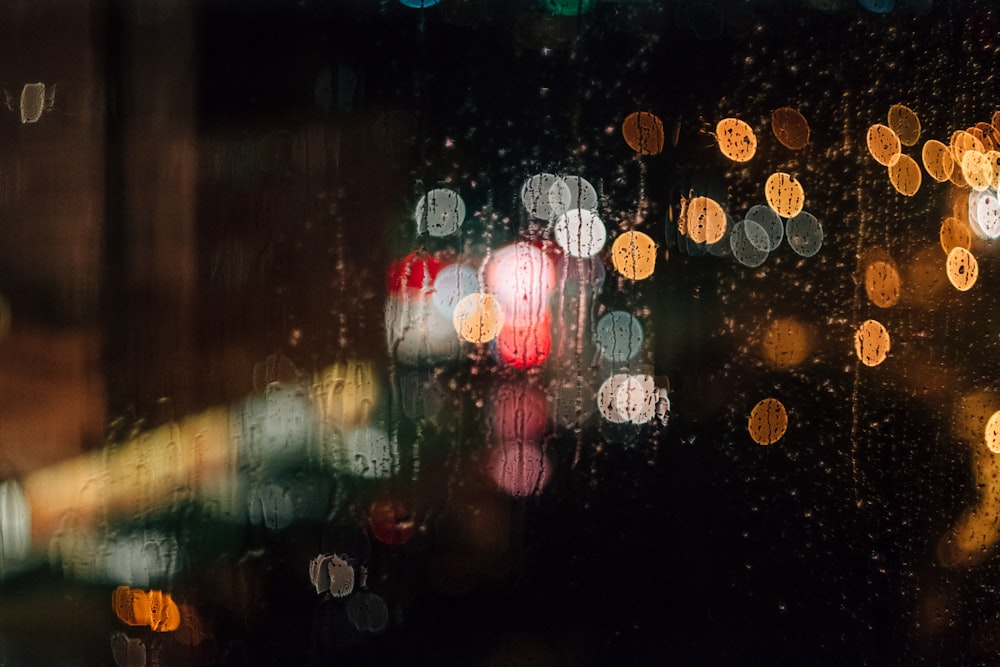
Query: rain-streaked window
543, 332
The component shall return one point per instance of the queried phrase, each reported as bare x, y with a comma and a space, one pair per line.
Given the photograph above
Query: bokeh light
569, 7
578, 193
991, 433
525, 345
478, 318
954, 234
882, 283
537, 197
580, 233
391, 521
905, 123
905, 176
871, 343
768, 421
786, 343
452, 284
984, 213
938, 160
804, 234
519, 469
519, 412
962, 269
643, 132
736, 138
522, 279
977, 170
706, 220
883, 144
633, 254
440, 212
745, 252
619, 336
784, 194
770, 222
790, 128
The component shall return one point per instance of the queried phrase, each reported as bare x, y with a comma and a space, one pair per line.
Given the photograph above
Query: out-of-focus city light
643, 132
768, 421
883, 144
391, 522
619, 336
790, 128
736, 138
440, 212
478, 318
784, 194
905, 123
871, 343
962, 269
580, 233
519, 469
633, 255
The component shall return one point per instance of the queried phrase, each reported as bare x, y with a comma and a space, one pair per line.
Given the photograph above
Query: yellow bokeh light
786, 343
992, 433
784, 194
882, 283
905, 123
478, 317
993, 158
633, 255
871, 343
705, 220
961, 143
643, 132
790, 128
737, 140
883, 144
962, 269
904, 175
768, 422
977, 170
937, 160
954, 234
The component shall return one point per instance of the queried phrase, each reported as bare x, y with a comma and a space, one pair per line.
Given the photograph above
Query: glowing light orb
992, 433
955, 234
578, 193
618, 336
625, 398
790, 128
962, 142
522, 279
804, 234
984, 213
706, 220
536, 195
768, 421
452, 284
643, 132
977, 170
391, 522
580, 233
882, 283
478, 318
32, 102
519, 469
871, 343
525, 346
440, 212
905, 123
519, 412
757, 235
904, 174
329, 573
786, 343
962, 269
770, 222
883, 144
745, 252
633, 254
938, 160
736, 138
784, 194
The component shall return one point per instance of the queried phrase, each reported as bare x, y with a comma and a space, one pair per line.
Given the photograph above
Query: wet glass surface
468, 333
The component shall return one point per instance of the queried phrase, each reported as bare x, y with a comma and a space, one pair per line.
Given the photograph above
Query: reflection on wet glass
768, 421
790, 128
736, 139
643, 132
